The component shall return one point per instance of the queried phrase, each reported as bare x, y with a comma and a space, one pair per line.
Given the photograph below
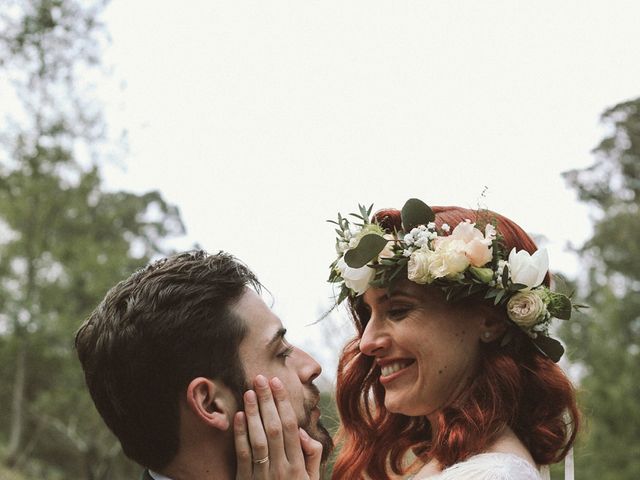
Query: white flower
387, 251
526, 309
445, 227
528, 269
406, 252
490, 232
431, 225
418, 267
422, 241
408, 239
341, 247
357, 279
447, 260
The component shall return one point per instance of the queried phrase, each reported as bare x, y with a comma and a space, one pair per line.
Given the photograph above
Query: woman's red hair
516, 386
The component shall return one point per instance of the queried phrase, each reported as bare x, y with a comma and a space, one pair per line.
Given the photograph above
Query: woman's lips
392, 370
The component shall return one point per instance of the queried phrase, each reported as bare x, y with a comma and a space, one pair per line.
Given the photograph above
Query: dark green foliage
414, 213
64, 241
606, 341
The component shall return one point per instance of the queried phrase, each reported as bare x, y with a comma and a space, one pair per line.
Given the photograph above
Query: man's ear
493, 324
211, 402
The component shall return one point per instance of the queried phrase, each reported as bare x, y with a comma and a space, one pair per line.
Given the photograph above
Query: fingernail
276, 383
303, 433
261, 381
250, 396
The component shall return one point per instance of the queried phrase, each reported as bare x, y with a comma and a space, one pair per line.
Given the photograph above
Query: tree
64, 240
606, 341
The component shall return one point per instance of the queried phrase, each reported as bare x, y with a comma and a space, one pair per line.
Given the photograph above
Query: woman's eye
398, 312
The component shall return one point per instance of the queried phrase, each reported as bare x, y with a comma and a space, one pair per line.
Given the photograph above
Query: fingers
312, 450
270, 420
257, 437
243, 448
288, 421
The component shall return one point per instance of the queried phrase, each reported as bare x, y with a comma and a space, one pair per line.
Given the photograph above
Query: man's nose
308, 368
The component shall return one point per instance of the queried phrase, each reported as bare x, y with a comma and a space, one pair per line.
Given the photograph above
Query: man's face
265, 350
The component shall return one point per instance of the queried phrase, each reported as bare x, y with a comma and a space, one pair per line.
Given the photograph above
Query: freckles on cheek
460, 336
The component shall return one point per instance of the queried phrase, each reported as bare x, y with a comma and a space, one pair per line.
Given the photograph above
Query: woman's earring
486, 335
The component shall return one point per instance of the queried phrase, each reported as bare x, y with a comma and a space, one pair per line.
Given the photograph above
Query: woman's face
426, 349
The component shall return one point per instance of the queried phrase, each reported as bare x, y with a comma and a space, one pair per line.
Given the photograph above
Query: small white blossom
408, 239
406, 252
431, 225
445, 227
415, 232
420, 242
433, 236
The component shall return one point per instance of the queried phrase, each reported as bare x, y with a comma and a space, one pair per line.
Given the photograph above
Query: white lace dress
490, 466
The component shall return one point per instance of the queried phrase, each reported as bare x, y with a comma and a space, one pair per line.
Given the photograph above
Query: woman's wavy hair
516, 386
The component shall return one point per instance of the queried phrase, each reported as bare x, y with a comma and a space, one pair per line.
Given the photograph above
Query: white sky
262, 119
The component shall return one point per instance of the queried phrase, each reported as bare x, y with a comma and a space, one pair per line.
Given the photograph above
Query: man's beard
316, 430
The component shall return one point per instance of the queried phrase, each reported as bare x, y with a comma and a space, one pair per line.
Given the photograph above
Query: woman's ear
211, 402
493, 324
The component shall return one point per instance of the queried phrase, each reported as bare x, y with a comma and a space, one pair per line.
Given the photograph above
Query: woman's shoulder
488, 466
491, 466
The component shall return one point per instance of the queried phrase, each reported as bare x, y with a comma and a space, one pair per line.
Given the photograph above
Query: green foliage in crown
468, 260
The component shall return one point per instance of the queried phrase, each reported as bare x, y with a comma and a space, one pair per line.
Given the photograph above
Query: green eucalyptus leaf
499, 296
368, 248
415, 212
505, 276
551, 347
491, 293
344, 293
559, 306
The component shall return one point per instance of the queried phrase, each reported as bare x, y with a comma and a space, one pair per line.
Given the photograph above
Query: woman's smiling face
425, 348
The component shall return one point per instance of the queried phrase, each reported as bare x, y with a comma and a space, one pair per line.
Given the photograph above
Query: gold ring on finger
261, 460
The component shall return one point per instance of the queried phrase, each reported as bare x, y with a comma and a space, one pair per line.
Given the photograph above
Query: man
167, 356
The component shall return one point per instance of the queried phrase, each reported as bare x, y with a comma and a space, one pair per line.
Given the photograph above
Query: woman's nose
374, 339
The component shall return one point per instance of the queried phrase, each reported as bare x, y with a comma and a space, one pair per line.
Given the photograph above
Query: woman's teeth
393, 367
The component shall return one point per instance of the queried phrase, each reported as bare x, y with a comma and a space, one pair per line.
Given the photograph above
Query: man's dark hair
151, 335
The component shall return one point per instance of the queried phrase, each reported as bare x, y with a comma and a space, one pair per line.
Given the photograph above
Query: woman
452, 365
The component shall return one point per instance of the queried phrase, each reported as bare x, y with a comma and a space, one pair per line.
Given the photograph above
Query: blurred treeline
65, 239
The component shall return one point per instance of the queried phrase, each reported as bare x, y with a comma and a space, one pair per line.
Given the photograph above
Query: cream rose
447, 259
387, 251
526, 309
357, 279
418, 267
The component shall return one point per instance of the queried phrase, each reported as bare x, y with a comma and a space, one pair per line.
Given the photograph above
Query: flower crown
462, 261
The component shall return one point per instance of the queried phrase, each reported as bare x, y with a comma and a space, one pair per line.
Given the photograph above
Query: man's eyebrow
279, 335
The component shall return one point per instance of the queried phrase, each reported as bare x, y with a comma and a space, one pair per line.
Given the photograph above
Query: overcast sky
262, 119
